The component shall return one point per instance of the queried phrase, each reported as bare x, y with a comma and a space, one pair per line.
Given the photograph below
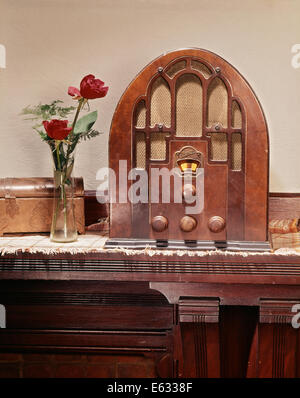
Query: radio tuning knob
159, 223
216, 224
187, 224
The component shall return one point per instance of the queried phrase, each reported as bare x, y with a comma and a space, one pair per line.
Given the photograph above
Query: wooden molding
72, 298
83, 341
276, 311
196, 309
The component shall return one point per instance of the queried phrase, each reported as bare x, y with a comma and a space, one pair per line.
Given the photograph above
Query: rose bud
91, 88
57, 129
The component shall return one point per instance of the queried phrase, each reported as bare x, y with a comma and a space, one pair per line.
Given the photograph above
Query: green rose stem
61, 184
81, 102
57, 145
65, 209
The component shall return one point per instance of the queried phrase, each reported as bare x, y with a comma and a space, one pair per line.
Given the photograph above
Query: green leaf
85, 123
48, 111
89, 134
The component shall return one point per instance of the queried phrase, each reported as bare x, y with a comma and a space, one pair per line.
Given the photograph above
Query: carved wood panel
199, 327
275, 344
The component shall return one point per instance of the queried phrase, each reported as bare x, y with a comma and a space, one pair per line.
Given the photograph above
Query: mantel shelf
88, 260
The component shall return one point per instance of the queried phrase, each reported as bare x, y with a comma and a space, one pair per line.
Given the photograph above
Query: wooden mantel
184, 316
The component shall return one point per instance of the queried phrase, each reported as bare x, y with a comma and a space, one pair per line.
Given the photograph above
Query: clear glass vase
63, 227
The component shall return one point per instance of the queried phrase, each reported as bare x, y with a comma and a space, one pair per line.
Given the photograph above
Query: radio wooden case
192, 109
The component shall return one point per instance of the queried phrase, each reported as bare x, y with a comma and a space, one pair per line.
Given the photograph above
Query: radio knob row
188, 224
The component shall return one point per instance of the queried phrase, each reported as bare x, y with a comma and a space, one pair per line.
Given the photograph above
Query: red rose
90, 88
57, 129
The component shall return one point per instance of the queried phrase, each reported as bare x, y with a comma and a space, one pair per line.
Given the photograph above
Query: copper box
26, 205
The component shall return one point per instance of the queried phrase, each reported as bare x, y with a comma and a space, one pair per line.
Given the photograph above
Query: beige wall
51, 44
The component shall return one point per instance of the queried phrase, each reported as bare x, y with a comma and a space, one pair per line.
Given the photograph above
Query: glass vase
63, 227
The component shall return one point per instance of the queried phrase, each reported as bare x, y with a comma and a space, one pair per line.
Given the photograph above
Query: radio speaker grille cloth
218, 146
189, 106
160, 103
140, 143
217, 103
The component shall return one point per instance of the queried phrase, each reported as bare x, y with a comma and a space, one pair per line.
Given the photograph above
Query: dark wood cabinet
114, 315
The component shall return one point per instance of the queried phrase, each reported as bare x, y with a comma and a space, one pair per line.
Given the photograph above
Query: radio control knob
187, 224
159, 223
216, 224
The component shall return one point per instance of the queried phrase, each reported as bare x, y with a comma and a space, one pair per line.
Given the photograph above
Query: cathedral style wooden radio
190, 116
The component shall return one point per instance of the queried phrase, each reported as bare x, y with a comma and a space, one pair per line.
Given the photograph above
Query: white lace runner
95, 244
